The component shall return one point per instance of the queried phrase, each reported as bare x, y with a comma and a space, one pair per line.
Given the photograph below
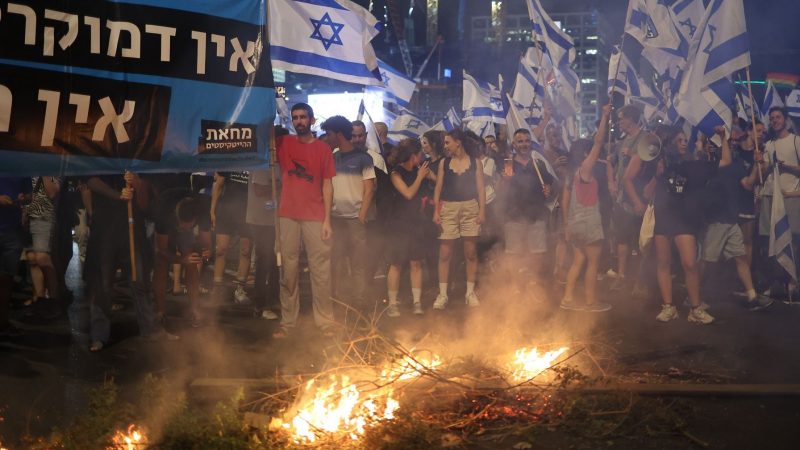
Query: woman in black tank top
460, 209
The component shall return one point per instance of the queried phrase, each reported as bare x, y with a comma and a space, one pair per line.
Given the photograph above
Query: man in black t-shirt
526, 213
723, 237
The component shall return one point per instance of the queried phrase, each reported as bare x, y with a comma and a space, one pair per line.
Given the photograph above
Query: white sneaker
418, 309
611, 273
668, 312
698, 315
240, 296
472, 300
392, 310
440, 302
269, 315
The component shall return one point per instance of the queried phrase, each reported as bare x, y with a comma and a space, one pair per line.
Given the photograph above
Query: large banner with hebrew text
102, 86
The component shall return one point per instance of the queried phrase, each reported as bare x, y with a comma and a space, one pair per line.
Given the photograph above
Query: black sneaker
759, 303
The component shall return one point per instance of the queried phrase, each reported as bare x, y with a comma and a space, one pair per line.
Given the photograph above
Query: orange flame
133, 439
528, 364
338, 408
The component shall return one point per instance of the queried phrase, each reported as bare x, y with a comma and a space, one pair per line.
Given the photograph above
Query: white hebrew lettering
94, 33
166, 33
219, 40
5, 108
117, 121
134, 51
242, 55
30, 21
236, 133
211, 134
51, 99
49, 32
81, 103
223, 133
247, 133
200, 37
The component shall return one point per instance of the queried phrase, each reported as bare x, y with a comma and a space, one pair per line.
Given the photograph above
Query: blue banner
104, 86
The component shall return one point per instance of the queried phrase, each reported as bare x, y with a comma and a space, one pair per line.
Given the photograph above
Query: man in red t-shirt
304, 213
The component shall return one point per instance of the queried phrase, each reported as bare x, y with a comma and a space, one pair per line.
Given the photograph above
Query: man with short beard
783, 149
304, 215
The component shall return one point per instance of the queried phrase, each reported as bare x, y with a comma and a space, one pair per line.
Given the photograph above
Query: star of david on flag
407, 125
336, 28
329, 38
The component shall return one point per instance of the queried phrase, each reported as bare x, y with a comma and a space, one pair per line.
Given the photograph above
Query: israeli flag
528, 86
554, 41
687, 14
793, 103
481, 101
329, 38
723, 46
482, 128
772, 99
780, 234
399, 88
719, 48
407, 125
284, 116
450, 122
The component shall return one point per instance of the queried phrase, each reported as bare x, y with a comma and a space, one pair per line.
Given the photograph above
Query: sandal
281, 333
96, 346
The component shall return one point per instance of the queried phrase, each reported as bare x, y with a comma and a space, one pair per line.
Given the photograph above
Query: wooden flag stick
753, 117
273, 159
131, 238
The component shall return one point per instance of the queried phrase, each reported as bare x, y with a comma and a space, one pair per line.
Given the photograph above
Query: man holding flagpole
304, 215
783, 150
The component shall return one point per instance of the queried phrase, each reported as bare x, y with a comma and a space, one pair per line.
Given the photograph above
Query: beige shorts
459, 219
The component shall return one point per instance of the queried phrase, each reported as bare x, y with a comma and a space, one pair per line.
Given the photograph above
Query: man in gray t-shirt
261, 218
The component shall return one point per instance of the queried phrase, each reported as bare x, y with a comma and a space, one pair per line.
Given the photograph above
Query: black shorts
405, 245
627, 226
231, 217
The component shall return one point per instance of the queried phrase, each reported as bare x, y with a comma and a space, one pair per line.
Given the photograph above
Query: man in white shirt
783, 149
353, 190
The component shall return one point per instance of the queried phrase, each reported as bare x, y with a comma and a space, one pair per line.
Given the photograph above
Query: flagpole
273, 159
530, 109
753, 116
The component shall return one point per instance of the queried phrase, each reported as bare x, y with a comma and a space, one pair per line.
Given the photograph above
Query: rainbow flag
783, 80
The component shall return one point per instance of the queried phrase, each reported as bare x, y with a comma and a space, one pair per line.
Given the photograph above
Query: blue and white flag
481, 127
528, 86
554, 42
399, 88
481, 101
651, 24
719, 48
450, 122
793, 103
723, 44
329, 38
780, 233
520, 116
772, 99
407, 125
687, 15
284, 115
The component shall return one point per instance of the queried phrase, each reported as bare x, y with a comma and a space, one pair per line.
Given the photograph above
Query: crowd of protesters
438, 207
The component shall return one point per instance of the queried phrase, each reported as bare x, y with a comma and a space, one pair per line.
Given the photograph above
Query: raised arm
599, 140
